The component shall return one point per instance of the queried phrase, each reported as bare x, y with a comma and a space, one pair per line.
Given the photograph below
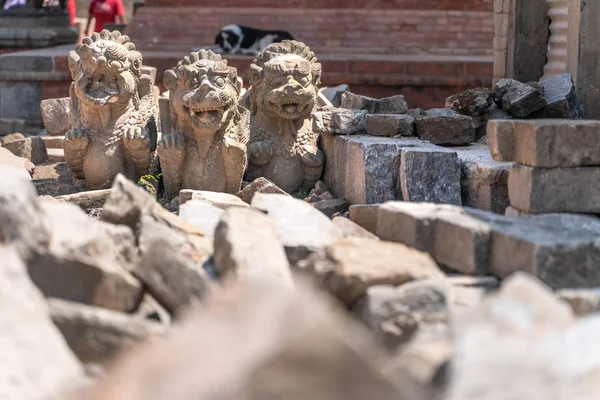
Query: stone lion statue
113, 111
205, 131
283, 95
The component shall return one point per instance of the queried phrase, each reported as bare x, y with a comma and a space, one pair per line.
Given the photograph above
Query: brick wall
391, 31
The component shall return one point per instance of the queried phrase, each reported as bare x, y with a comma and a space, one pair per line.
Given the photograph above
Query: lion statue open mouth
113, 111
205, 130
283, 148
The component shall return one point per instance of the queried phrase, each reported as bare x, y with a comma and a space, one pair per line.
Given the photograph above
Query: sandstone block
201, 215
95, 334
37, 363
56, 155
91, 257
349, 267
542, 190
55, 115
357, 102
351, 229
365, 215
171, 266
484, 182
561, 98
546, 143
217, 199
398, 314
332, 206
259, 185
31, 148
430, 176
391, 105
247, 247
340, 121
302, 229
445, 127
390, 125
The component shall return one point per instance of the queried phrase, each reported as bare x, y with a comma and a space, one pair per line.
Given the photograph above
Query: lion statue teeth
283, 95
113, 111
205, 131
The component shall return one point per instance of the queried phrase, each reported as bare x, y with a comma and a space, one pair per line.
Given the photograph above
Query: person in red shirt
105, 12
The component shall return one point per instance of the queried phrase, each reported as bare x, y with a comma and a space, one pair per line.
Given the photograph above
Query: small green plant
150, 183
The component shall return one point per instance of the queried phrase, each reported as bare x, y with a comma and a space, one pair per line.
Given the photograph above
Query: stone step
545, 143
549, 190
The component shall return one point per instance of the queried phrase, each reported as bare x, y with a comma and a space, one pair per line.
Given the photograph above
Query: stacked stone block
557, 164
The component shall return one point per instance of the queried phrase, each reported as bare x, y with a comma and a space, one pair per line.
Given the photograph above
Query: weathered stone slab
171, 266
365, 215
397, 314
390, 125
546, 143
31, 148
55, 115
217, 199
391, 105
92, 259
301, 228
445, 127
36, 361
259, 185
484, 182
351, 229
201, 215
349, 267
357, 102
427, 175
56, 155
542, 190
561, 98
248, 248
96, 334
340, 121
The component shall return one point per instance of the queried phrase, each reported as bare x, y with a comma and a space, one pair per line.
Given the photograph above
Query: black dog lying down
238, 39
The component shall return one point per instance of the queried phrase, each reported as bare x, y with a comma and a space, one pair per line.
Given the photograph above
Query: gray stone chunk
31, 148
259, 185
36, 361
561, 98
484, 182
546, 143
543, 190
391, 105
55, 115
201, 215
521, 100
357, 102
496, 112
473, 103
445, 127
430, 176
96, 334
247, 247
331, 206
340, 121
390, 125
398, 314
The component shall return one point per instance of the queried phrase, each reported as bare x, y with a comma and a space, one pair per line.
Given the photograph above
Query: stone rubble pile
274, 296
